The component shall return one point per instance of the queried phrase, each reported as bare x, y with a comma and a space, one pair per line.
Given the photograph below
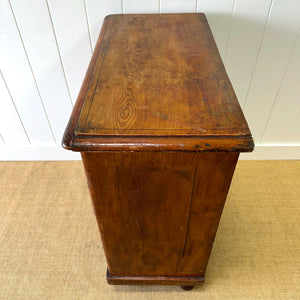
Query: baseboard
273, 152
37, 153
261, 152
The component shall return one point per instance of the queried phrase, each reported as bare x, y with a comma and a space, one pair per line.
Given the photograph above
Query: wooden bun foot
187, 287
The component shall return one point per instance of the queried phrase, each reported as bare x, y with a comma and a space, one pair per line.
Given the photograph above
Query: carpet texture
50, 246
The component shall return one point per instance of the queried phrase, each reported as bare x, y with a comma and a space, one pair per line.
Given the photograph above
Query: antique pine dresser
160, 130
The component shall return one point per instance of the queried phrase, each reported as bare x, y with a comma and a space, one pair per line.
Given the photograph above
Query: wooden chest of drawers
160, 130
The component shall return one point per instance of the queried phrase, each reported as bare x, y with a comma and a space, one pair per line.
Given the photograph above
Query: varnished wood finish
158, 212
156, 76
186, 282
160, 131
188, 144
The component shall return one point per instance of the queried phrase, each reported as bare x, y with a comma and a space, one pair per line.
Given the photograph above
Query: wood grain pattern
158, 212
160, 130
211, 186
247, 19
186, 144
184, 281
68, 138
133, 212
160, 75
162, 82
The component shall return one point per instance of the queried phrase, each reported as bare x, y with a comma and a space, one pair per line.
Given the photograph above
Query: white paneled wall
46, 46
134, 6
273, 64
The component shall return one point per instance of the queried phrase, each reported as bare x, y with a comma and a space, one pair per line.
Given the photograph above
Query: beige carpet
50, 246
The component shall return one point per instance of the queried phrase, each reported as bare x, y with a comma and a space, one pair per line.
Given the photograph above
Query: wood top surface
156, 76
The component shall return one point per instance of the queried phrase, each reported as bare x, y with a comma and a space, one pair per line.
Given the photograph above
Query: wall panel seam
13, 102
1, 137
59, 54
230, 29
30, 66
122, 5
293, 127
88, 24
279, 87
257, 54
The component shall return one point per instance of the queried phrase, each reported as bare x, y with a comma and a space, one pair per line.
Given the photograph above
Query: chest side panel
142, 204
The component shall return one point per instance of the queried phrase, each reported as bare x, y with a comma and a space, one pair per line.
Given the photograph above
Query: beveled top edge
71, 141
196, 144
